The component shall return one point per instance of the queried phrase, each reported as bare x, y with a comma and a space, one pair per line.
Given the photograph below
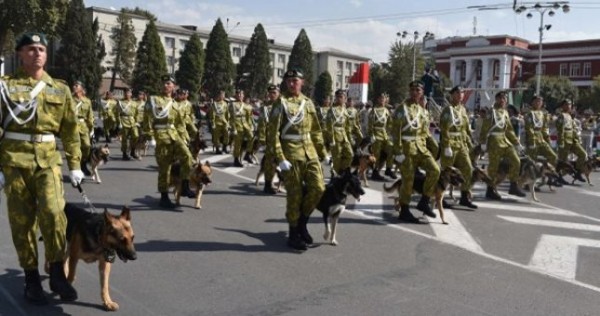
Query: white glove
448, 152
76, 177
138, 125
483, 147
92, 133
152, 143
520, 148
400, 158
234, 133
285, 165
2, 180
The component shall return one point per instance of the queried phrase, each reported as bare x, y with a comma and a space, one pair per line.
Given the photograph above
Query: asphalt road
512, 257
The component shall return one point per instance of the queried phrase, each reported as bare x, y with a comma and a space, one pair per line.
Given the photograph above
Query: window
340, 68
183, 43
463, 71
496, 73
281, 58
575, 70
170, 61
170, 42
347, 81
272, 56
236, 51
563, 70
338, 81
349, 67
587, 69
280, 72
355, 67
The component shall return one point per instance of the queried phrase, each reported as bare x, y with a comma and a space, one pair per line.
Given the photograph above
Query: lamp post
427, 36
542, 8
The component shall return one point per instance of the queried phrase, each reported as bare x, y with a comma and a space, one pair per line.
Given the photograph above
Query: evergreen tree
302, 59
98, 70
123, 52
400, 69
378, 83
219, 69
77, 56
151, 63
255, 66
323, 87
553, 89
191, 66
139, 11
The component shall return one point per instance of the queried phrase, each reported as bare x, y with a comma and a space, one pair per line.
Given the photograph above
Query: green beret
272, 87
339, 92
167, 77
501, 94
416, 84
458, 88
293, 73
31, 38
78, 83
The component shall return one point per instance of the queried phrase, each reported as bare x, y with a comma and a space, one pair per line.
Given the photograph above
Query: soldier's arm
445, 127
316, 134
560, 131
529, 130
69, 132
510, 131
485, 128
396, 131
90, 117
545, 128
148, 120
273, 134
329, 123
232, 117
370, 119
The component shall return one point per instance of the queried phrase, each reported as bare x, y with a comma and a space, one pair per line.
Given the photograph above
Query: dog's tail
394, 187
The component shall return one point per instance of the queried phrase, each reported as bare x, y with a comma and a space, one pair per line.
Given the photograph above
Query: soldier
242, 125
219, 118
498, 137
568, 140
263, 121
139, 117
411, 131
164, 123
337, 121
379, 122
37, 108
322, 115
296, 137
353, 129
85, 122
455, 139
189, 119
125, 110
107, 113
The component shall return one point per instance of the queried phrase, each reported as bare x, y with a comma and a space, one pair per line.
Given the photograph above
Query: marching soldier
85, 122
379, 122
295, 135
322, 115
242, 125
537, 136
498, 137
139, 115
219, 118
337, 121
263, 121
37, 108
568, 140
411, 131
455, 139
125, 110
162, 121
107, 113
189, 119
353, 127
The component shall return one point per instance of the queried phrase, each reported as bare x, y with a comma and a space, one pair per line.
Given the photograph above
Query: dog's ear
105, 146
207, 163
125, 213
107, 216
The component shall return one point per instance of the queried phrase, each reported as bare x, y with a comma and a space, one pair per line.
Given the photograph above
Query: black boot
165, 201
407, 216
376, 175
491, 194
303, 230
269, 188
294, 240
218, 151
126, 156
225, 151
248, 158
555, 182
425, 206
562, 180
578, 176
59, 283
464, 200
388, 172
34, 293
185, 189
237, 162
133, 155
84, 168
515, 190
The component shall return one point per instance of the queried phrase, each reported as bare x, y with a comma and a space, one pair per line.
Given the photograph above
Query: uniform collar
20, 74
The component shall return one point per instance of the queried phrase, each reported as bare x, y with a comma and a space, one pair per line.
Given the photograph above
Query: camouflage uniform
263, 122
536, 136
379, 122
107, 113
32, 169
353, 128
189, 120
219, 117
242, 124
454, 126
568, 140
85, 123
126, 111
322, 116
341, 149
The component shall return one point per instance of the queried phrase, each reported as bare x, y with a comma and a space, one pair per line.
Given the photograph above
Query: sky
369, 27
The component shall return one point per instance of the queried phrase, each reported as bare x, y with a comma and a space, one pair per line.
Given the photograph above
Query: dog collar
110, 255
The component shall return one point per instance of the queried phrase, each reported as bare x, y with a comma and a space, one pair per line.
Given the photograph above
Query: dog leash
86, 200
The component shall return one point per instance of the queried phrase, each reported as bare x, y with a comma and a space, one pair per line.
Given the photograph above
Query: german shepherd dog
589, 166
261, 171
333, 201
362, 161
530, 173
98, 156
98, 237
141, 146
200, 176
478, 174
197, 145
448, 176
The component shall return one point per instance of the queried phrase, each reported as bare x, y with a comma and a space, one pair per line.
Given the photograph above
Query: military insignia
36, 38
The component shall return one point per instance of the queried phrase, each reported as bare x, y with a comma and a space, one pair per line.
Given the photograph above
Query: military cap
239, 90
167, 77
566, 101
535, 97
31, 38
458, 88
416, 84
273, 87
182, 91
78, 83
293, 73
128, 90
340, 92
501, 94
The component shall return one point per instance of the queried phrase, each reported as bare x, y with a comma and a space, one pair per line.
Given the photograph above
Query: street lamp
542, 8
427, 36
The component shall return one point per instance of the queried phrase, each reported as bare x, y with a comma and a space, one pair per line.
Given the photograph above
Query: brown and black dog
530, 173
261, 171
141, 146
98, 237
361, 162
200, 177
589, 166
478, 174
448, 176
98, 156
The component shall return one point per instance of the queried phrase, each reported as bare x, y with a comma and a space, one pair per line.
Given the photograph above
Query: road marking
557, 255
528, 209
549, 223
455, 233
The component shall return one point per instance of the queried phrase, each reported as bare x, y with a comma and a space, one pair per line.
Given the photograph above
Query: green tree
590, 98
191, 66
151, 63
219, 68
400, 69
553, 89
378, 83
123, 52
323, 87
76, 57
141, 12
255, 67
302, 59
98, 70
